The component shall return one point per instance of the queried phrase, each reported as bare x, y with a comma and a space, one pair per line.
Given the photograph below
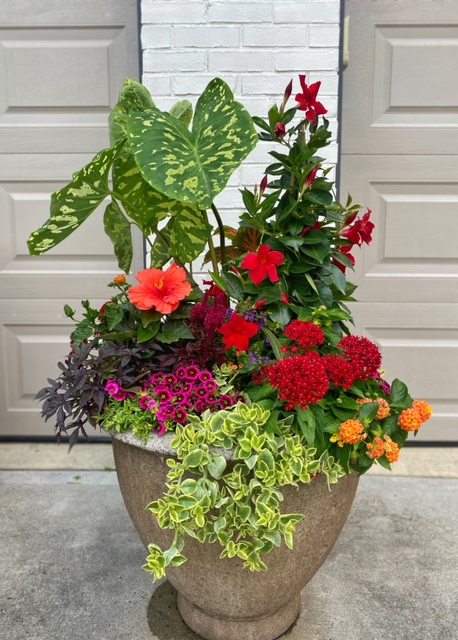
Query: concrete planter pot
217, 598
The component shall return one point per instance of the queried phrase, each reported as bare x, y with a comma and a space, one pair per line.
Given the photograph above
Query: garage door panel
61, 68
414, 203
88, 66
401, 58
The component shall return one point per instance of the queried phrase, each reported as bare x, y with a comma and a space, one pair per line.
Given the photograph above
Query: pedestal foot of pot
265, 628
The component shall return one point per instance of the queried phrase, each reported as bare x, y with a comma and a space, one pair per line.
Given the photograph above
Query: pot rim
161, 444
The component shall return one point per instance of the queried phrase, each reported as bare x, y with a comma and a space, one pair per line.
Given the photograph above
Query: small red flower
280, 130
316, 227
307, 334
310, 179
284, 297
308, 102
364, 356
260, 304
237, 332
263, 263
263, 185
288, 91
361, 231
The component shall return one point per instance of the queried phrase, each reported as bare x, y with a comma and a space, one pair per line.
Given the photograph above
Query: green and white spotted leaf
189, 233
146, 206
182, 111
159, 253
133, 95
193, 166
117, 228
73, 204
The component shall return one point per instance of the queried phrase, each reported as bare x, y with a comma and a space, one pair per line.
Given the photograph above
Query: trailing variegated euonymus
258, 375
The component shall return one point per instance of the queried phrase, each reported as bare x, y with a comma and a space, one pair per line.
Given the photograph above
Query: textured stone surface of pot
219, 599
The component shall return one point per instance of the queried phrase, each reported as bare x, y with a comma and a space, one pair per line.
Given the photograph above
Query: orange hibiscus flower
160, 290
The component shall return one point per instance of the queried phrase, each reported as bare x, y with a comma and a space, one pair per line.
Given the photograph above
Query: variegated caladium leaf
182, 111
193, 166
117, 228
160, 254
73, 204
146, 206
133, 95
189, 233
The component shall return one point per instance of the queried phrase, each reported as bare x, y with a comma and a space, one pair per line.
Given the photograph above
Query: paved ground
70, 565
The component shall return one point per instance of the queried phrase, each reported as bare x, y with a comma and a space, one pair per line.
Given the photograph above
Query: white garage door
400, 158
62, 63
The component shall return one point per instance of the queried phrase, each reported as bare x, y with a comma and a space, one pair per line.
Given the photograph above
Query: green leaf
189, 233
259, 392
193, 458
233, 285
146, 206
73, 204
117, 228
343, 455
150, 316
317, 251
81, 333
114, 315
173, 330
338, 278
133, 95
384, 463
399, 392
390, 424
317, 196
193, 166
292, 242
307, 423
160, 254
182, 111
274, 343
145, 334
216, 466
368, 411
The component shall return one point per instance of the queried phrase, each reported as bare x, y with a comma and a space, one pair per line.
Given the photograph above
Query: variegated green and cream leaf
182, 111
193, 166
73, 204
189, 233
146, 206
160, 254
118, 229
133, 95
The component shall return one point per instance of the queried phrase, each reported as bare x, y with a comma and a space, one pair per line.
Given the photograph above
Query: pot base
266, 628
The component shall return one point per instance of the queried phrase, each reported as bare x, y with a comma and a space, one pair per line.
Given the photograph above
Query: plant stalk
211, 245
222, 240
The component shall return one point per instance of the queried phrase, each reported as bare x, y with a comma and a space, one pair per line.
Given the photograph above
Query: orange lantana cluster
384, 410
412, 419
350, 432
385, 447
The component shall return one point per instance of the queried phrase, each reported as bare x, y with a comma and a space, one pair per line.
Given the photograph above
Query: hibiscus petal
149, 276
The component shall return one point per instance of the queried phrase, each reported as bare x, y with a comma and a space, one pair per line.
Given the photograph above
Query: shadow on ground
164, 619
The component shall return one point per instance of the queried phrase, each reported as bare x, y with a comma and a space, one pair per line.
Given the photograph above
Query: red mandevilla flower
308, 102
361, 231
279, 130
263, 263
363, 354
310, 179
307, 334
301, 380
316, 227
237, 332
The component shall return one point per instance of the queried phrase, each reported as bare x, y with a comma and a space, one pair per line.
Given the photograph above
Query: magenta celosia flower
112, 387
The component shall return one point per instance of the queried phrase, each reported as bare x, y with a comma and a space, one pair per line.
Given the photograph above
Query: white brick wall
256, 46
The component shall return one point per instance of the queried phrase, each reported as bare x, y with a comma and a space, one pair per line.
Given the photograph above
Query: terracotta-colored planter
218, 598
